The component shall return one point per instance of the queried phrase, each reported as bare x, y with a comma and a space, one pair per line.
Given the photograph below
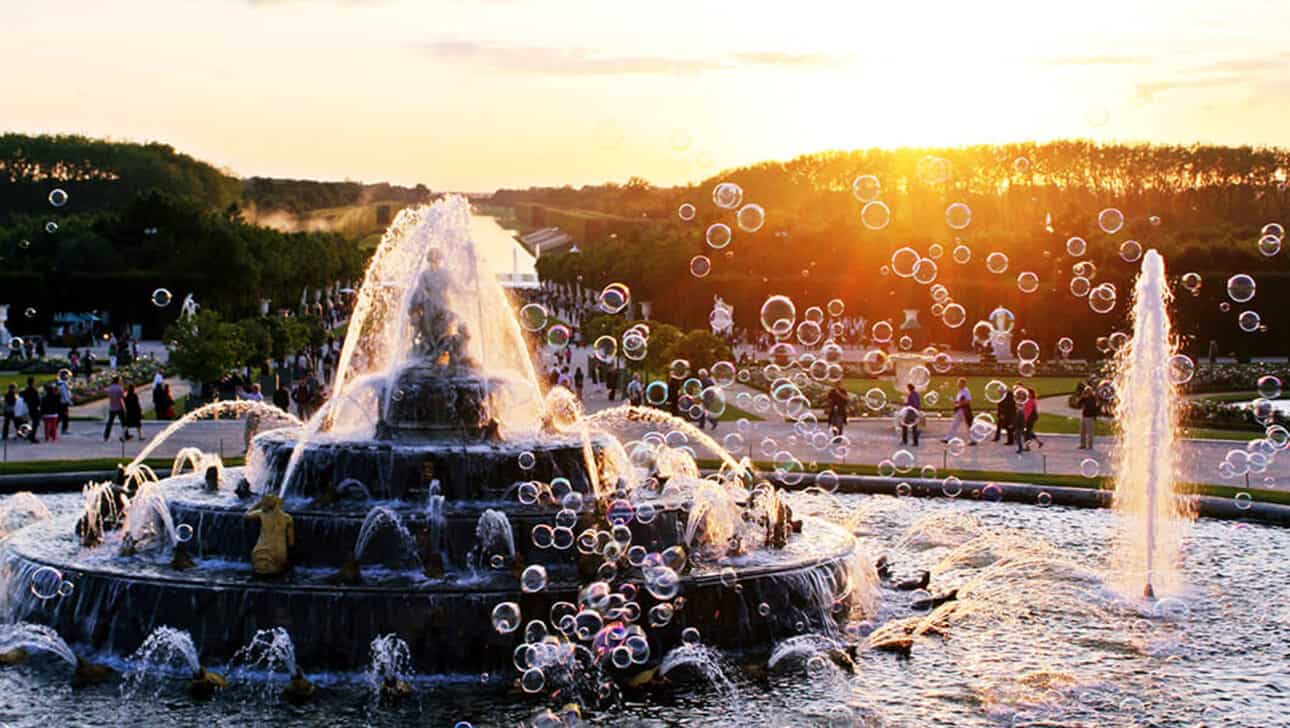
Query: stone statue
277, 535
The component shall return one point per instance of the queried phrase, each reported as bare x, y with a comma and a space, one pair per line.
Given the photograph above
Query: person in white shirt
962, 412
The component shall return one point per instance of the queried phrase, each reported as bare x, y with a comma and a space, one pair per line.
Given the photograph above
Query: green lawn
20, 379
1067, 481
1061, 425
947, 386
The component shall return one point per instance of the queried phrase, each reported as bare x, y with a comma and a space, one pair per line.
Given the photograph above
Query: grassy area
947, 387
733, 413
40, 467
20, 380
1063, 481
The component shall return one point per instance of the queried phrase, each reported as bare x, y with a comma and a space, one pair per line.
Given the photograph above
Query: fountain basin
117, 602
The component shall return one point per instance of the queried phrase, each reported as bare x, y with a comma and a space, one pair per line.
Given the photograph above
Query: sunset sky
477, 94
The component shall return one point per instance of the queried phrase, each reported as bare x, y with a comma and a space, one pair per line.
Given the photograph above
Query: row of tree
112, 260
1202, 207
205, 347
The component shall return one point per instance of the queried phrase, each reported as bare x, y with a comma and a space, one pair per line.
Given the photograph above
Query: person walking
577, 382
1019, 425
282, 397
962, 412
636, 391
31, 397
1006, 411
64, 402
705, 380
565, 380
49, 407
1032, 415
165, 403
116, 408
133, 412
10, 410
612, 382
1089, 407
909, 420
838, 400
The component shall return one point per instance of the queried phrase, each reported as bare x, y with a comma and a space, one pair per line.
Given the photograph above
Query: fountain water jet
1146, 417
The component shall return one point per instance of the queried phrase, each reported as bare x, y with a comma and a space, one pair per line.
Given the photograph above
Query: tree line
1201, 206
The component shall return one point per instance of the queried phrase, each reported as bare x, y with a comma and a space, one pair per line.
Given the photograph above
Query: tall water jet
1146, 409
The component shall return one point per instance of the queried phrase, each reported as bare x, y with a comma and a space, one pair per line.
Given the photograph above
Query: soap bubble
750, 218
526, 460
1080, 286
1076, 247
1248, 321
836, 307
29, 312
925, 271
1181, 369
809, 333
533, 316
1102, 298
57, 197
1192, 282
954, 315
1275, 230
1089, 468
996, 262
46, 583
1110, 220
605, 348
24, 244
903, 490
614, 298
679, 368
51, 227
962, 254
727, 195
875, 398
881, 332
995, 391
718, 235
1243, 501
1044, 499
533, 680
934, 170
778, 315
1027, 282
1269, 387
875, 215
958, 215
1130, 251
183, 533
866, 188
700, 266
1003, 320
1028, 350
1240, 288
903, 262
558, 336
875, 361
1065, 345
1269, 245
685, 211
1021, 165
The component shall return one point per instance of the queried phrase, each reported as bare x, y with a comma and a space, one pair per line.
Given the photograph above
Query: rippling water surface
1037, 638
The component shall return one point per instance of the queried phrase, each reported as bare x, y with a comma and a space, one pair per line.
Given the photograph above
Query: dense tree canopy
1201, 206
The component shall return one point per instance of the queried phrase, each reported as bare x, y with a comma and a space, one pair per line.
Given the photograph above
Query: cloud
583, 62
1265, 71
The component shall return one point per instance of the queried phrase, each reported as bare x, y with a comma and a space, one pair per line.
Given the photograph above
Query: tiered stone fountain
408, 513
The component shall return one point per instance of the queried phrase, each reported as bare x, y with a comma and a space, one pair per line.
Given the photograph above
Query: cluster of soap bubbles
47, 582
